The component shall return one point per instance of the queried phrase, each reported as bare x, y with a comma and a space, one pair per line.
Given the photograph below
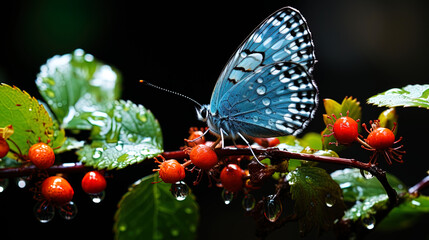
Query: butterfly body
266, 89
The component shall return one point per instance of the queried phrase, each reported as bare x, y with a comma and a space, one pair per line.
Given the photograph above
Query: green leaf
388, 118
408, 96
29, 120
348, 107
149, 211
126, 134
406, 214
318, 199
357, 188
367, 195
75, 85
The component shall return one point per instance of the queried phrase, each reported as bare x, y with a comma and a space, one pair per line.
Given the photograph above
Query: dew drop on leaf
97, 154
43, 211
329, 200
175, 232
119, 146
368, 222
68, 211
272, 208
248, 202
227, 196
366, 174
179, 190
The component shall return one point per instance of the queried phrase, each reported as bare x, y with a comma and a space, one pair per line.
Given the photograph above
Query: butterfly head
203, 113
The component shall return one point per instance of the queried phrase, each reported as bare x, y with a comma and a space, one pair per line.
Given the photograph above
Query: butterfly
266, 89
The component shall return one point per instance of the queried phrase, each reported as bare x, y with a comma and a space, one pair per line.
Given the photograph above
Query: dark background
363, 48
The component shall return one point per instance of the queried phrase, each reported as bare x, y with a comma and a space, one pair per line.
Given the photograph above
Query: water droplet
368, 222
122, 228
118, 118
268, 111
266, 101
188, 210
272, 208
30, 109
255, 118
119, 146
141, 116
68, 211
248, 202
97, 197
21, 182
175, 232
415, 203
260, 80
227, 196
50, 93
329, 200
97, 153
4, 182
179, 190
366, 174
43, 211
132, 137
261, 90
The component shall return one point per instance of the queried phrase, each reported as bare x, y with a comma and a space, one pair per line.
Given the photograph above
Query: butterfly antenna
169, 91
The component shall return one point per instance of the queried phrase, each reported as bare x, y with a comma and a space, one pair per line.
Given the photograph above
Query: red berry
231, 178
57, 190
41, 155
4, 147
93, 182
203, 157
267, 142
196, 135
380, 138
171, 171
345, 130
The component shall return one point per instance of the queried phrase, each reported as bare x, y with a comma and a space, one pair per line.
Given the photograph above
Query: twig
30, 170
420, 186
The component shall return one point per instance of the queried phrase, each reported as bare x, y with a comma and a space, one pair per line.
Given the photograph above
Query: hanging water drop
227, 196
68, 211
4, 182
368, 222
248, 202
119, 146
179, 190
97, 197
43, 211
97, 153
21, 182
329, 200
272, 208
366, 174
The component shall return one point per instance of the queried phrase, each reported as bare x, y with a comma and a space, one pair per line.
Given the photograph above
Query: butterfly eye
203, 113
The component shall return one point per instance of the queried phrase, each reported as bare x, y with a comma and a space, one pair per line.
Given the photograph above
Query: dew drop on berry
97, 197
227, 196
4, 182
68, 211
329, 200
366, 174
248, 202
179, 190
97, 153
43, 211
272, 208
368, 222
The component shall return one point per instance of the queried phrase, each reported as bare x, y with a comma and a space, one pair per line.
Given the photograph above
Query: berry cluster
380, 140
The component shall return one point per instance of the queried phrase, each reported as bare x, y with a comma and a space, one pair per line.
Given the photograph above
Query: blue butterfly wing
276, 100
283, 36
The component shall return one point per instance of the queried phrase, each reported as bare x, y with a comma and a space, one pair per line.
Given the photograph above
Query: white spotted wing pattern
266, 89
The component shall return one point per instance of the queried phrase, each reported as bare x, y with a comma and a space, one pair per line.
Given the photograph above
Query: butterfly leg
250, 147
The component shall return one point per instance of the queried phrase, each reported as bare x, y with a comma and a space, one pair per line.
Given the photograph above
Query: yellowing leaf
29, 119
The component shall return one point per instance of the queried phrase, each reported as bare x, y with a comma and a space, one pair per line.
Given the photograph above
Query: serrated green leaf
408, 96
406, 214
28, 118
75, 85
149, 211
125, 135
318, 199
